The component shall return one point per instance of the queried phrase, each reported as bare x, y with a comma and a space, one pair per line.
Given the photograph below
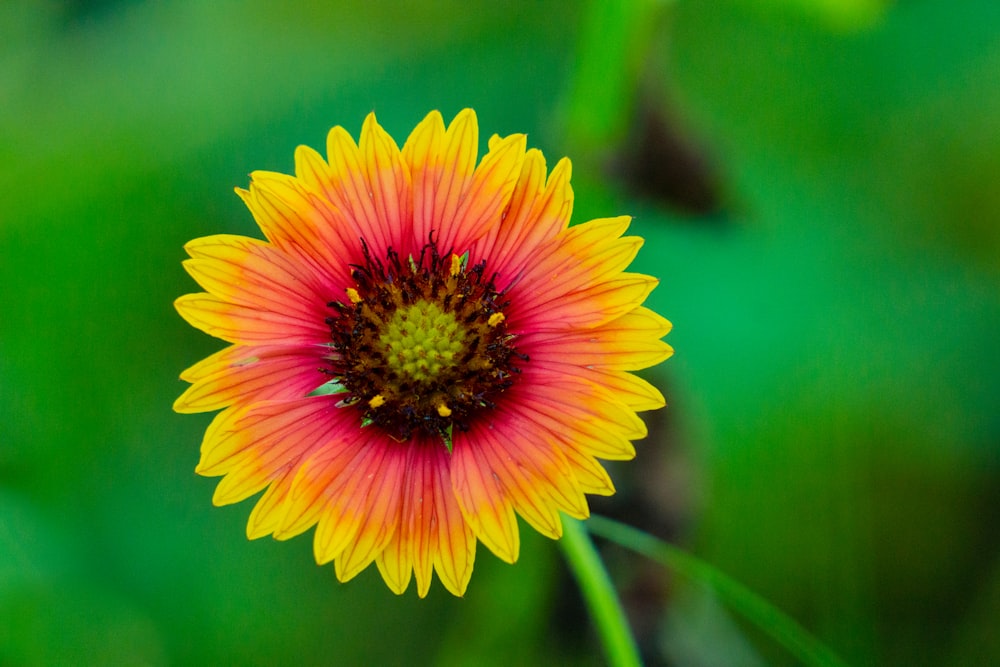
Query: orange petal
336, 528
564, 454
441, 163
597, 403
253, 273
243, 481
420, 153
350, 521
627, 343
432, 531
341, 179
316, 479
538, 453
635, 392
366, 184
455, 555
389, 185
250, 374
266, 435
525, 486
537, 212
589, 306
487, 196
455, 167
412, 546
267, 513
582, 256
302, 224
420, 511
590, 474
378, 503
395, 562
598, 422
246, 325
481, 496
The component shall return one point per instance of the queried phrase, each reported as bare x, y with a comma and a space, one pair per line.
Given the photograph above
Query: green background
817, 183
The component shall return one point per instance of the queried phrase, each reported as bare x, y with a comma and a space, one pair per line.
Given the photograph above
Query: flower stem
599, 594
781, 627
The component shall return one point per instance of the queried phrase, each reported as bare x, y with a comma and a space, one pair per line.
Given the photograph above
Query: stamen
495, 319
456, 265
377, 401
353, 295
443, 410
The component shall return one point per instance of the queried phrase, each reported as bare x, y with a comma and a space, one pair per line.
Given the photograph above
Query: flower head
422, 349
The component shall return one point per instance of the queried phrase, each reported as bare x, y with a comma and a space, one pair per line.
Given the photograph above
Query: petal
481, 496
589, 473
394, 565
341, 515
486, 198
537, 212
389, 185
596, 404
635, 392
523, 492
442, 163
589, 306
627, 343
456, 550
250, 445
571, 441
253, 273
250, 374
343, 182
413, 545
596, 421
576, 280
421, 153
361, 511
538, 454
369, 186
269, 510
378, 502
535, 476
581, 256
302, 224
246, 325
315, 479
432, 533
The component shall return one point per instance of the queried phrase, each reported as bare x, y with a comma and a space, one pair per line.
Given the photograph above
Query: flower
422, 349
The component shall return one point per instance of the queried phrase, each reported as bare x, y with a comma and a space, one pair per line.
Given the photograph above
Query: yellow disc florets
421, 341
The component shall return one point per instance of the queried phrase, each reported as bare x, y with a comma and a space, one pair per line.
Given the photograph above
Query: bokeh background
817, 183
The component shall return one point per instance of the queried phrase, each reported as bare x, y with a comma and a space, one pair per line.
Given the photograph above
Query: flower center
421, 344
421, 341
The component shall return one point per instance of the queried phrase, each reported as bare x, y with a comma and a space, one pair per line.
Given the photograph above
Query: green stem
781, 627
599, 594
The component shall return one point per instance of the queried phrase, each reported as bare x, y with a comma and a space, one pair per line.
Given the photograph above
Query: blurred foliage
832, 435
